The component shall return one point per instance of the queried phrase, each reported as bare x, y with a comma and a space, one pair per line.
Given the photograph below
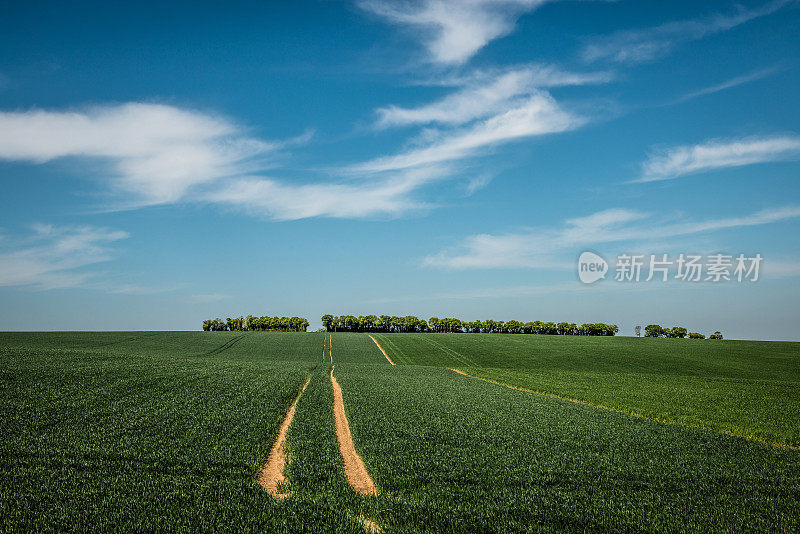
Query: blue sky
163, 164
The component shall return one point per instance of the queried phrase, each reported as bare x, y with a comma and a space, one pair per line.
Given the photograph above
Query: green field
749, 388
168, 431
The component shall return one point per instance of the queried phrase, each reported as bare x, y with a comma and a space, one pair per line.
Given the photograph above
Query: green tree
676, 332
653, 330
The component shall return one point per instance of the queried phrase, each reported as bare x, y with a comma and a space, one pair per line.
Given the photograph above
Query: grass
748, 388
143, 431
452, 454
167, 431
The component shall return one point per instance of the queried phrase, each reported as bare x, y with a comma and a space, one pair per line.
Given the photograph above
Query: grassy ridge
749, 388
452, 454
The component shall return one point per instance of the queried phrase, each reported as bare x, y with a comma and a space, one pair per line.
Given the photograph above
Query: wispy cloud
728, 84
647, 44
538, 114
478, 182
112, 288
555, 248
486, 93
157, 154
453, 31
718, 154
489, 108
154, 154
383, 194
56, 257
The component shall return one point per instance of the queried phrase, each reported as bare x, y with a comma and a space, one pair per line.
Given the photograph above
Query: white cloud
55, 256
718, 154
155, 152
538, 114
484, 94
453, 31
388, 194
478, 182
131, 289
641, 45
554, 248
728, 84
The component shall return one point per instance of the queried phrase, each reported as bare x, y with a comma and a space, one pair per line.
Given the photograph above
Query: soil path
370, 526
271, 475
381, 348
354, 468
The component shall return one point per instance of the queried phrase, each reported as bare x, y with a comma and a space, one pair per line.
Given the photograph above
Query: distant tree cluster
654, 330
373, 323
262, 324
409, 323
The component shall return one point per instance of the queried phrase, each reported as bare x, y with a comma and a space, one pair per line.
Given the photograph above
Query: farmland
749, 388
168, 431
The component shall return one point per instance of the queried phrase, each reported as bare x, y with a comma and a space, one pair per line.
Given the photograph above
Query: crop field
171, 431
748, 388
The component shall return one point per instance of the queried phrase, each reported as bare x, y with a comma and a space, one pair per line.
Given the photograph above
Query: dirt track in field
381, 348
271, 474
354, 468
370, 526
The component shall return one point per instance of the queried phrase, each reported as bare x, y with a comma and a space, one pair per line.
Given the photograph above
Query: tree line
654, 330
410, 323
261, 324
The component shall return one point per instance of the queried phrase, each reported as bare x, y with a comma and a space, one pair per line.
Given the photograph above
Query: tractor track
225, 346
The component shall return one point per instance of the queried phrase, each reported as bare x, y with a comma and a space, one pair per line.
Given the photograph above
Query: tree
715, 335
675, 332
638, 330
241, 324
653, 330
563, 329
411, 323
695, 335
433, 322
